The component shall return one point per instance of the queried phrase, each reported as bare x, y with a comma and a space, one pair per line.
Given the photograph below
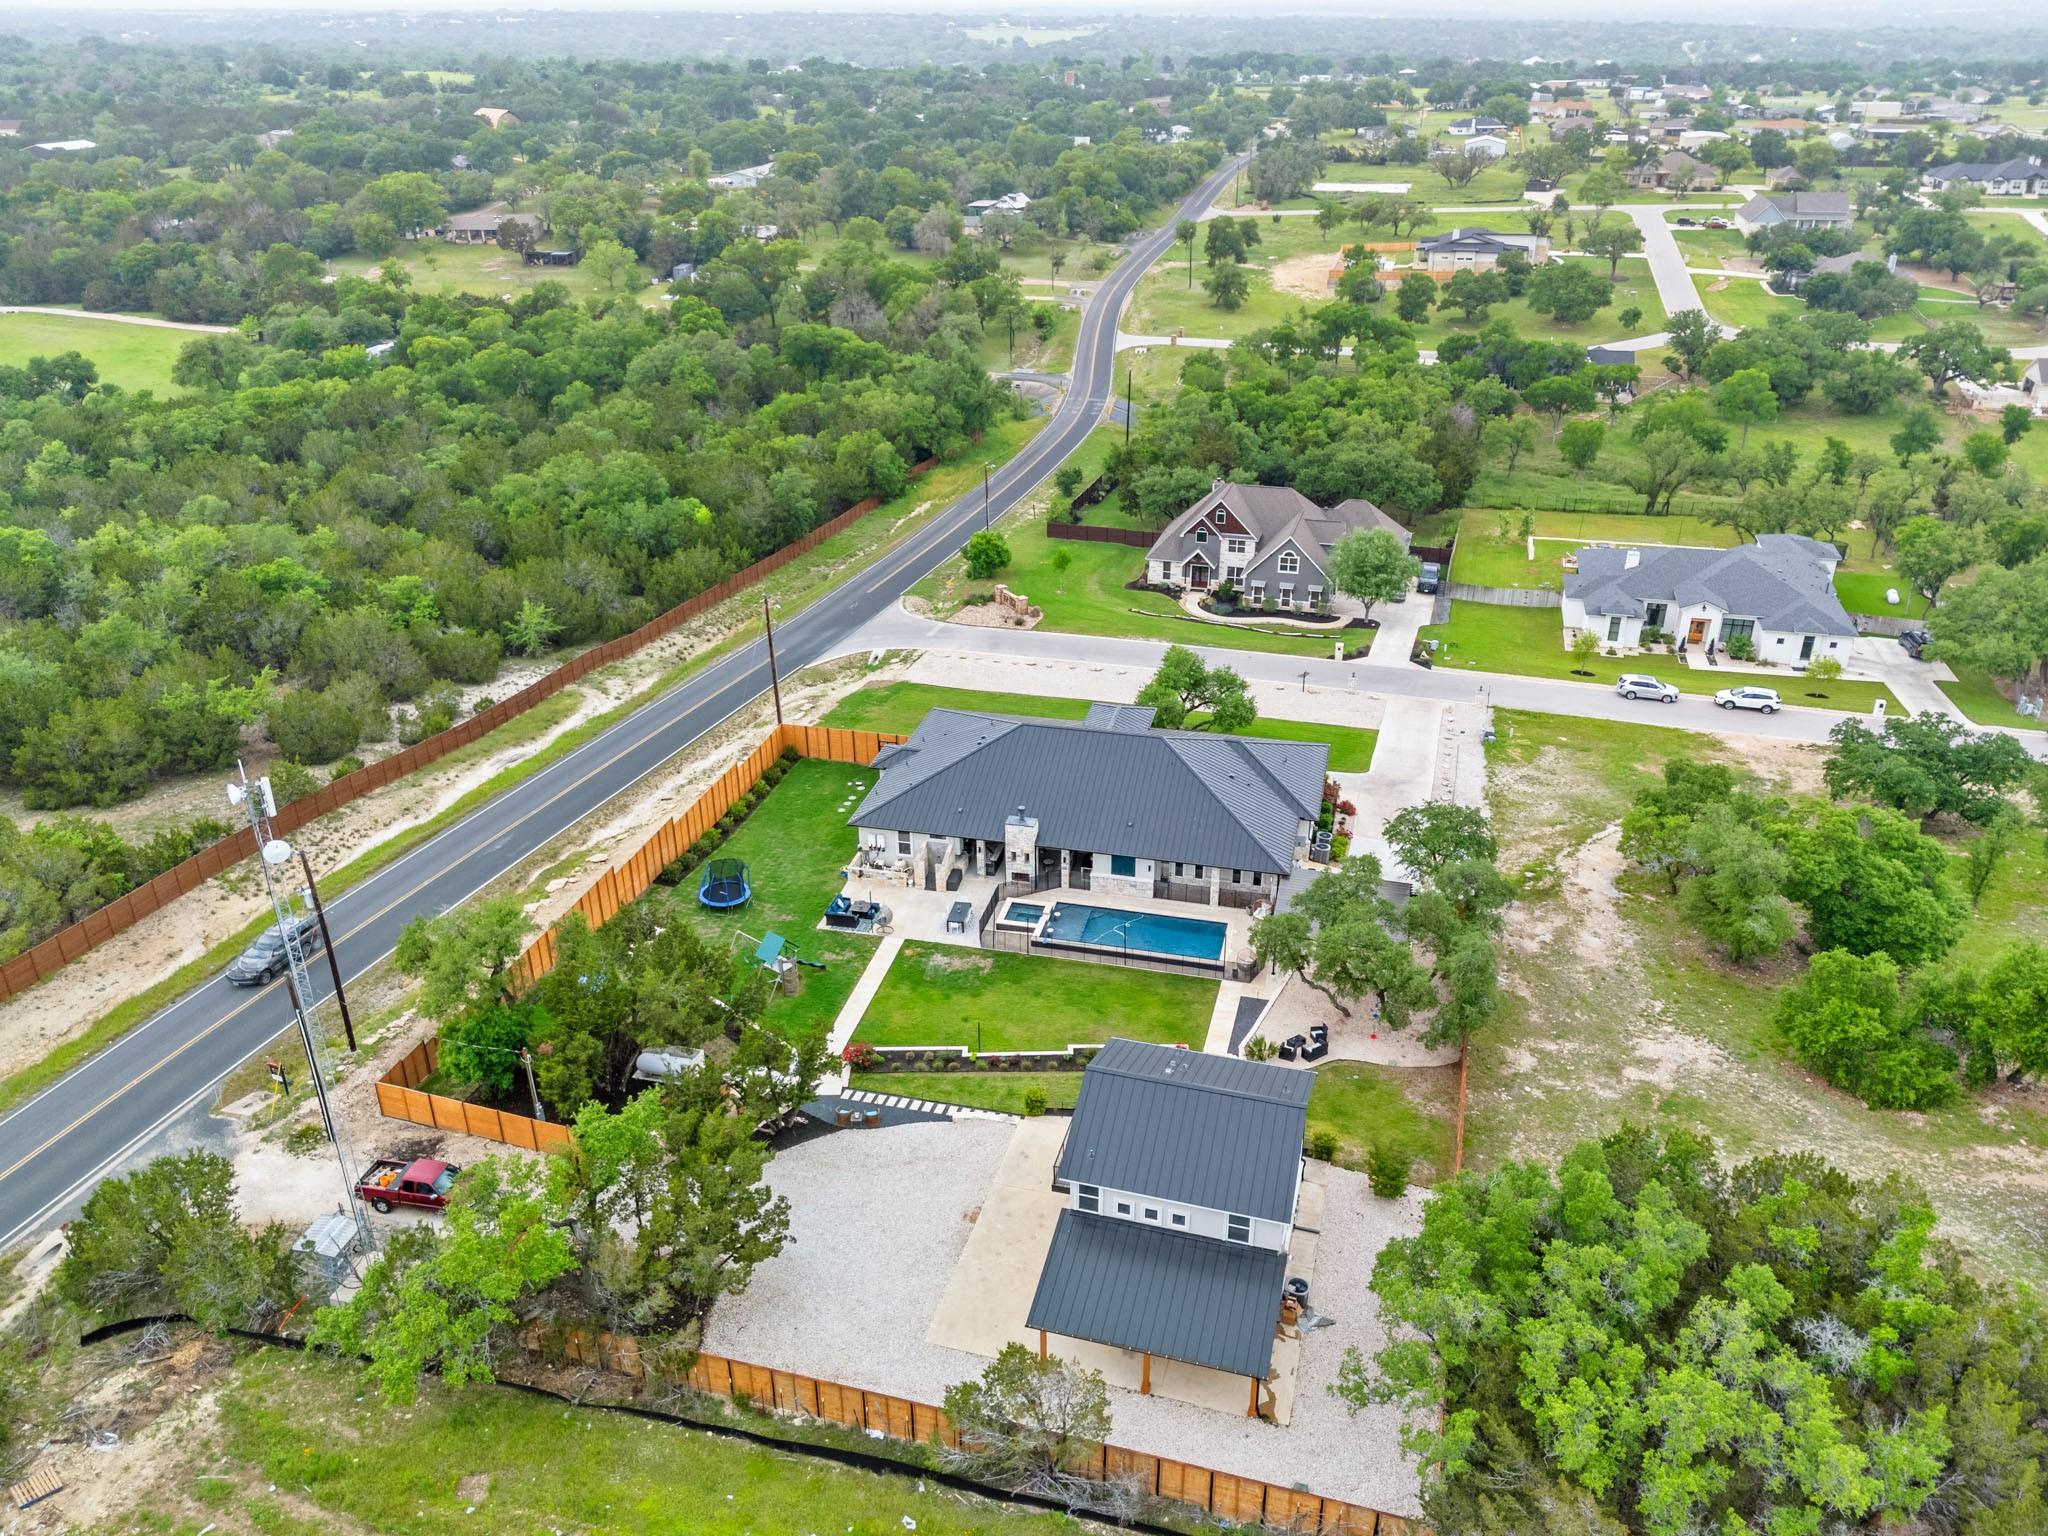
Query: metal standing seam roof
1235, 802
1190, 1127
1164, 1292
1780, 581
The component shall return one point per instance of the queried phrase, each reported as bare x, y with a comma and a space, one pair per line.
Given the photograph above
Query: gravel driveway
879, 1218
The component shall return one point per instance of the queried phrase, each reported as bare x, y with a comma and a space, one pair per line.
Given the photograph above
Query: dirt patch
959, 964
473, 1489
1308, 276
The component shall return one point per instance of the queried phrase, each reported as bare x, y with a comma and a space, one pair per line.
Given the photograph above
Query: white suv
1765, 699
1640, 685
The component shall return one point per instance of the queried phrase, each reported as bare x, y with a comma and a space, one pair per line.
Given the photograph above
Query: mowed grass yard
900, 706
795, 845
438, 267
132, 356
1633, 289
946, 995
1411, 1110
291, 1445
1529, 642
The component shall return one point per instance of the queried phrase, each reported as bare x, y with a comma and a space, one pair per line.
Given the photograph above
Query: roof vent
1632, 559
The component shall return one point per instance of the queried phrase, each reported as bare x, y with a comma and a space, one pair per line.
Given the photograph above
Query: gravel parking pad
879, 1218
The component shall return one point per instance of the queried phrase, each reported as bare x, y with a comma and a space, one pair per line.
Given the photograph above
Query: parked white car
1765, 699
1640, 685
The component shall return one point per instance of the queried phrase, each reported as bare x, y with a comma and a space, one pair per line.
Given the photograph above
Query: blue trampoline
725, 885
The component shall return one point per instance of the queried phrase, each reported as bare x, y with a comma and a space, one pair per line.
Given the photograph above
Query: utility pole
774, 681
1129, 370
348, 1027
273, 854
984, 496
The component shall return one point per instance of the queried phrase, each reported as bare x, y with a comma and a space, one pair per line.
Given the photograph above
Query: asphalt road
57, 1144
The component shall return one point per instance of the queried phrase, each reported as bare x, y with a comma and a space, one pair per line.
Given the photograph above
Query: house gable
1308, 571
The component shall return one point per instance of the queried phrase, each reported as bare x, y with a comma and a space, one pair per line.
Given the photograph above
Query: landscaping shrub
1322, 1145
290, 780
1258, 1048
344, 766
1034, 1101
1386, 1170
861, 1056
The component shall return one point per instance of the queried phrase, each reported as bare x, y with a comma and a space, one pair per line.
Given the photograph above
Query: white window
1240, 1229
1151, 1213
1238, 546
1258, 591
1088, 1197
1286, 594
1222, 517
1201, 535
1201, 873
1236, 875
1315, 595
903, 842
1123, 1207
1290, 562
1180, 1218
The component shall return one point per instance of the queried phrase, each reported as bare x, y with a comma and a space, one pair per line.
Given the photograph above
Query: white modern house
743, 179
1799, 210
1270, 541
2022, 176
1777, 594
1105, 804
1479, 249
1472, 127
1182, 1171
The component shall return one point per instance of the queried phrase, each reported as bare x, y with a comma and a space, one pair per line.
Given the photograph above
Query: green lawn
1001, 1091
132, 356
941, 994
438, 267
1742, 301
900, 706
1974, 693
1635, 289
1863, 592
1412, 1109
292, 1451
1492, 637
795, 846
1089, 597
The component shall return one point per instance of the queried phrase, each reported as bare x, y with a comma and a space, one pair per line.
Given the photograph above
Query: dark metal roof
1121, 717
1167, 1293
1235, 802
1191, 1127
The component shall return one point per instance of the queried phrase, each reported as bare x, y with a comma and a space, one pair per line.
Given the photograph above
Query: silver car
1765, 699
1640, 685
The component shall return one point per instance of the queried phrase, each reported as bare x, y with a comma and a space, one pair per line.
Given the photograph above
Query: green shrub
1034, 1101
1322, 1145
1258, 1048
289, 781
1386, 1170
344, 766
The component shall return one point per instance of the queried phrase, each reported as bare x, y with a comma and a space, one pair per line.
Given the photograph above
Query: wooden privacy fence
1243, 1499
40, 961
1087, 533
398, 1094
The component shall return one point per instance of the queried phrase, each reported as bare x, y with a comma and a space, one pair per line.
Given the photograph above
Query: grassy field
899, 707
290, 1452
1615, 1012
1412, 1109
1055, 354
1002, 1091
1974, 693
438, 267
1490, 637
795, 845
1088, 597
1634, 290
132, 356
941, 994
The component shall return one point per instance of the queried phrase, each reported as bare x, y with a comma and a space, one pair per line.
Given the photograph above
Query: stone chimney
1020, 844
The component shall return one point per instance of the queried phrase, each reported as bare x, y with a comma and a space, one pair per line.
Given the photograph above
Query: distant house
62, 147
683, 272
744, 179
273, 137
1010, 202
552, 258
1796, 210
497, 117
1478, 249
2020, 177
1104, 804
1182, 1172
482, 228
1791, 127
1823, 266
1470, 127
1778, 594
1675, 169
10, 127
1563, 110
1780, 178
1269, 540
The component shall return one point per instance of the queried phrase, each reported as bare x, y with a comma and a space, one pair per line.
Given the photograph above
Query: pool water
1153, 933
1022, 914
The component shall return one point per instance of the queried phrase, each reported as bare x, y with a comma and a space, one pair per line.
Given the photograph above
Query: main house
2020, 177
1676, 170
1475, 249
1182, 1171
1269, 540
1777, 594
1105, 804
481, 228
1798, 210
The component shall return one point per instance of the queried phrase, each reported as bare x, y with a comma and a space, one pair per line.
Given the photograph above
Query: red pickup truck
425, 1181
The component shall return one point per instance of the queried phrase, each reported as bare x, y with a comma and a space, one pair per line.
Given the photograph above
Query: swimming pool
1021, 914
1151, 933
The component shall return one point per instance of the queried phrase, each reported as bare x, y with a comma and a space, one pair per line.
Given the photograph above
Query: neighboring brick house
1270, 540
1798, 210
1675, 169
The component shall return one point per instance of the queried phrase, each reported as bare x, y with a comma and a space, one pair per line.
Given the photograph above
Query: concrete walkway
1399, 623
1404, 773
1667, 263
856, 1005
